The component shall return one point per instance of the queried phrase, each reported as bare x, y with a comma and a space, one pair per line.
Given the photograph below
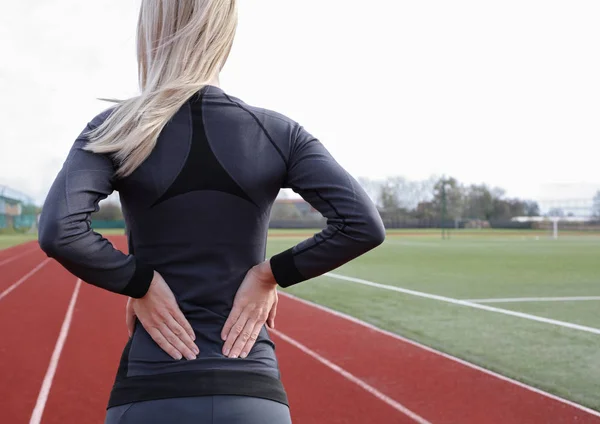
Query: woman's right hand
254, 305
159, 314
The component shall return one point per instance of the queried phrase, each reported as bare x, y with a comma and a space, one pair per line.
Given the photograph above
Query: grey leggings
201, 410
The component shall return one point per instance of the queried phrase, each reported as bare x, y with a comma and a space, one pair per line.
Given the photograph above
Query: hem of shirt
197, 383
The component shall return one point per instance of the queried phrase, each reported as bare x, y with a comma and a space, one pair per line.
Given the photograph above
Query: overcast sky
506, 93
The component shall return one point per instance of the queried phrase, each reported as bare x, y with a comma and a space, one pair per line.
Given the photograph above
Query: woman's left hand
255, 303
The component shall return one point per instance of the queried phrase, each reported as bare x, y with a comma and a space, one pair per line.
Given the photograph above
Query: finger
253, 337
236, 329
174, 341
176, 338
272, 314
182, 335
244, 337
162, 342
233, 317
183, 322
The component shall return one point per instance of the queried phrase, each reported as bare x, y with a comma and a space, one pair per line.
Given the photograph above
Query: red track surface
434, 387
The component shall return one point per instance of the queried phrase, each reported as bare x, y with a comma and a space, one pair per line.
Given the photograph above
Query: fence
408, 223
98, 224
18, 212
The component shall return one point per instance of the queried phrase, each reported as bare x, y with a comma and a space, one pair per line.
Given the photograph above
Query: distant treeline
443, 201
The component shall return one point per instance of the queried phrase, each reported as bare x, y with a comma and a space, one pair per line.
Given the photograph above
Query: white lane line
391, 402
25, 277
20, 255
38, 411
534, 299
439, 353
467, 303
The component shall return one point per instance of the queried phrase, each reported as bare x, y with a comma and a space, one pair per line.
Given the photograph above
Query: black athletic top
197, 211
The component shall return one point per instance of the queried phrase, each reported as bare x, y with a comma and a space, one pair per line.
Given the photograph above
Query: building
17, 210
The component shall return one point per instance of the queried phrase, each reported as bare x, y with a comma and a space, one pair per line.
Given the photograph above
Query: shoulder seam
274, 115
285, 161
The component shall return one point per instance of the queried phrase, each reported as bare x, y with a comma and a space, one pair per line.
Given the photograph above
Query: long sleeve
65, 232
354, 225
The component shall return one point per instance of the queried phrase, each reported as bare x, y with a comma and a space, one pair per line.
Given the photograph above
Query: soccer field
524, 272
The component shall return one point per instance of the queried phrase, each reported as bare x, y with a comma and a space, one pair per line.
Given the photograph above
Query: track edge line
40, 405
352, 378
18, 256
21, 280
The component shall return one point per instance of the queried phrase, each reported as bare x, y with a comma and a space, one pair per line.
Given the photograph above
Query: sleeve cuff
140, 282
284, 269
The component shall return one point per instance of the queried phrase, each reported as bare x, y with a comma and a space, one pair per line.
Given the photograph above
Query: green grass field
14, 239
479, 264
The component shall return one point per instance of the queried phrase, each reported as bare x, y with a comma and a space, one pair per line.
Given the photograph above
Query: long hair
181, 47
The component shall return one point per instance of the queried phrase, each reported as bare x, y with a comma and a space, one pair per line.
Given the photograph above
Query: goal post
555, 228
573, 216
555, 225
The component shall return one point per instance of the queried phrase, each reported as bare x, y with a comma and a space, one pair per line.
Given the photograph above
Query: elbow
377, 233
371, 233
48, 241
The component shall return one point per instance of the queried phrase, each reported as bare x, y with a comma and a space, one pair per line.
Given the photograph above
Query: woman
197, 171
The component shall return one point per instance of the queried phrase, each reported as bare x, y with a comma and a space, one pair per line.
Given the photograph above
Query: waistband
197, 383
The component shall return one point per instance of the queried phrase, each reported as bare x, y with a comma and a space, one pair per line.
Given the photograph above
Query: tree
502, 209
454, 193
426, 211
411, 193
399, 193
479, 202
532, 208
405, 200
109, 211
388, 197
556, 212
284, 211
506, 209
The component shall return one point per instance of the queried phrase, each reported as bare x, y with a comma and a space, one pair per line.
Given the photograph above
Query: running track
336, 370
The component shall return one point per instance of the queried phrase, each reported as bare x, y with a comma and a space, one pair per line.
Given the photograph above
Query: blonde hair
181, 47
